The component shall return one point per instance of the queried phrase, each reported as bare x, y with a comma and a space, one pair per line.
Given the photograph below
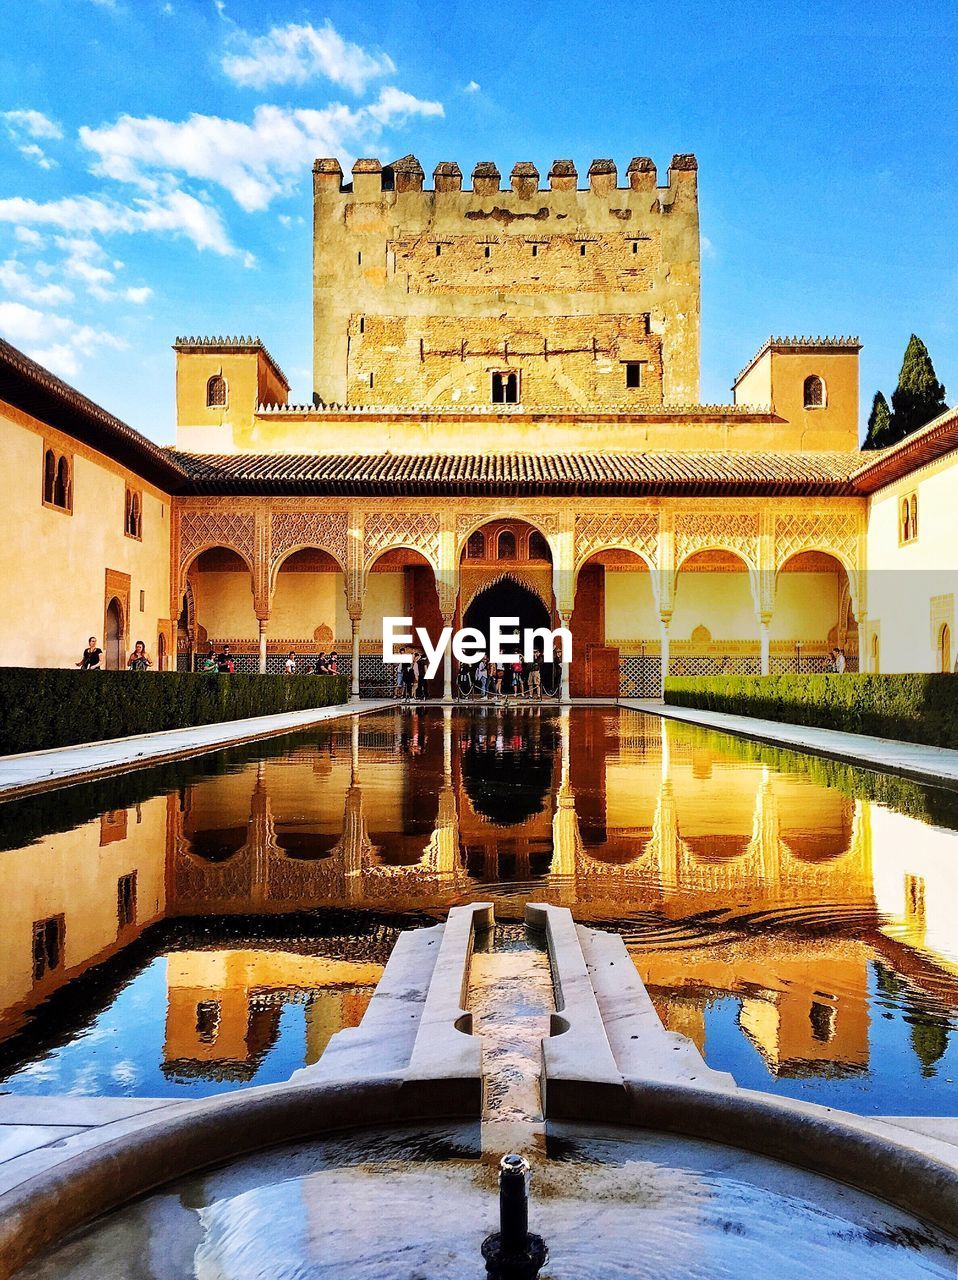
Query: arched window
538, 547
506, 546
944, 648
134, 514
505, 388
906, 521
49, 476
216, 392
476, 546
914, 515
814, 392
61, 493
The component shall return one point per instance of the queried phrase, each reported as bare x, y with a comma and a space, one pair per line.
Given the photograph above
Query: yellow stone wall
53, 564
79, 881
912, 587
251, 380
502, 263
777, 378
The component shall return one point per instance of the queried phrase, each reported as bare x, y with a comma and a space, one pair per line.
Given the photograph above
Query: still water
209, 925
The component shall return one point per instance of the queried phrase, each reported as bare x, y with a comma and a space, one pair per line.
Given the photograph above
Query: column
863, 655
262, 645
565, 697
356, 620
664, 620
764, 640
447, 675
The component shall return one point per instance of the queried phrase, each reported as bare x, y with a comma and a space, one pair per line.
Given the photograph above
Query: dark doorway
510, 599
114, 636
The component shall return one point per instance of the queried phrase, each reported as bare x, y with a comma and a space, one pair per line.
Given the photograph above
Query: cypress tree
879, 424
919, 396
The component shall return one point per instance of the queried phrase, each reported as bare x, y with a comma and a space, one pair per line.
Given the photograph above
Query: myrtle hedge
917, 707
49, 707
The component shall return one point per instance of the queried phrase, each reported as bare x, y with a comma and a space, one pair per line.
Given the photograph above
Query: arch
217, 392
113, 635
378, 554
875, 664
289, 552
507, 547
711, 549
61, 495
538, 546
476, 546
944, 648
49, 475
614, 545
161, 652
213, 545
484, 523
813, 392
906, 534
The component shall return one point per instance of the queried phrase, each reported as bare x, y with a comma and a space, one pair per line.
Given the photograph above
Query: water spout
513, 1252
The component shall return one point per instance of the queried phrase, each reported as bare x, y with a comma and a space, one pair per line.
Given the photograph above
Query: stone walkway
938, 765
41, 770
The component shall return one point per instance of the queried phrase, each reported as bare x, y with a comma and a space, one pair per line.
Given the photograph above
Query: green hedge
49, 707
918, 707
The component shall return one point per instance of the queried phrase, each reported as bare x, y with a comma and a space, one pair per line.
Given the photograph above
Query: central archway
506, 598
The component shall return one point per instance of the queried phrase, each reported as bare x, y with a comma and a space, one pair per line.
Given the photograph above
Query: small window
48, 938
635, 246
582, 250
126, 900
359, 258
822, 1018
370, 380
814, 392
476, 546
49, 475
506, 546
362, 324
216, 392
142, 601
438, 250
535, 251
207, 1021
633, 374
538, 547
133, 521
505, 388
61, 491
908, 518
487, 252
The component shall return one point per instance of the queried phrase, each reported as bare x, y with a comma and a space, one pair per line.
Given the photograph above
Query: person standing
535, 676
400, 676
482, 676
409, 671
840, 663
91, 656
224, 661
289, 666
421, 668
139, 659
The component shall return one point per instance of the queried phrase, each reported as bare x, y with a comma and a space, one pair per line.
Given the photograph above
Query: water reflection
799, 931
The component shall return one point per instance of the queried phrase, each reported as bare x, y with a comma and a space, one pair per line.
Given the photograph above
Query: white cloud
254, 162
27, 236
294, 54
51, 339
138, 295
15, 280
22, 125
472, 87
32, 123
175, 213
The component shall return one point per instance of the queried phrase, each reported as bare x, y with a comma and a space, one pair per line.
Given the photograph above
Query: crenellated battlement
370, 178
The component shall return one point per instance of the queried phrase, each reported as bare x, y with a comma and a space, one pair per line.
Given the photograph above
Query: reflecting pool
210, 924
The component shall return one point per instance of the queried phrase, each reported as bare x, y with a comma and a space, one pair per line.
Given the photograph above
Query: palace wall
471, 282
60, 566
913, 585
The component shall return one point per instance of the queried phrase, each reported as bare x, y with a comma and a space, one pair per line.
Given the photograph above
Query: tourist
139, 659
400, 676
289, 666
332, 663
840, 663
209, 662
518, 686
409, 673
224, 661
482, 676
422, 667
91, 656
495, 679
319, 667
535, 676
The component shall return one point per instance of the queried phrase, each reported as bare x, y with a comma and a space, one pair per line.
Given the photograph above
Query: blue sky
156, 155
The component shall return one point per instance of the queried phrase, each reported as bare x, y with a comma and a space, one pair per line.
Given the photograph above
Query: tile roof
924, 446
525, 474
40, 393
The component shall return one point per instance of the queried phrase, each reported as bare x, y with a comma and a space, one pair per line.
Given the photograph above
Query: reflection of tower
262, 837
764, 850
664, 845
566, 839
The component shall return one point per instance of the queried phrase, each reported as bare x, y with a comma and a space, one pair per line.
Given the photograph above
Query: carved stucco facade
762, 534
